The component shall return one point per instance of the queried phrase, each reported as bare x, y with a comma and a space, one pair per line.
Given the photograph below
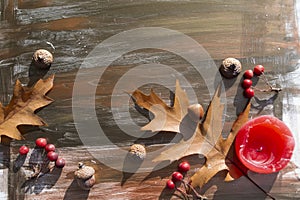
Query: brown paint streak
67, 24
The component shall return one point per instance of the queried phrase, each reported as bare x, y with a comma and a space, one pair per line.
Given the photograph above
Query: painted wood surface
261, 32
113, 184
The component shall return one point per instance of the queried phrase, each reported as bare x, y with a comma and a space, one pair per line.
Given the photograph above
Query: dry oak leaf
222, 156
198, 138
166, 118
205, 138
21, 108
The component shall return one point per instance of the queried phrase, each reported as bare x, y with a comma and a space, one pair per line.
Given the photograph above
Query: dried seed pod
230, 68
85, 176
42, 58
137, 151
195, 112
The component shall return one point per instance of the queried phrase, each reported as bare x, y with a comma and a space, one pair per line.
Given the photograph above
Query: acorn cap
84, 172
42, 58
138, 150
230, 68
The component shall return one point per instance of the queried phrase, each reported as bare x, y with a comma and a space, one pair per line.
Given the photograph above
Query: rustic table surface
255, 32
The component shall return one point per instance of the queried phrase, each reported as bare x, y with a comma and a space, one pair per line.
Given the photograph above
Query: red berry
184, 167
249, 93
41, 142
247, 83
248, 74
50, 147
52, 156
258, 70
23, 150
170, 184
177, 176
60, 163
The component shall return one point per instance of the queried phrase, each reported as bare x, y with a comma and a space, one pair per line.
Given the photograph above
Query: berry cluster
183, 167
177, 178
247, 82
49, 148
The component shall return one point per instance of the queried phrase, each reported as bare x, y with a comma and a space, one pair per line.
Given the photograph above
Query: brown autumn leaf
21, 108
221, 156
207, 139
203, 136
166, 118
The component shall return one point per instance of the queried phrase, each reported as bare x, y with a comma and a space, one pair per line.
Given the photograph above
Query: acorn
195, 112
230, 68
137, 151
42, 58
85, 176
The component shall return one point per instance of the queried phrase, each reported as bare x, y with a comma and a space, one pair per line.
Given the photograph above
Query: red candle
264, 144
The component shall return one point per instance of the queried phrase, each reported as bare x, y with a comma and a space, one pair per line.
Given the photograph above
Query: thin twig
184, 194
271, 87
199, 196
36, 171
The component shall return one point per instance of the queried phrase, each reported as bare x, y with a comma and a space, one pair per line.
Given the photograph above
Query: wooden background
255, 32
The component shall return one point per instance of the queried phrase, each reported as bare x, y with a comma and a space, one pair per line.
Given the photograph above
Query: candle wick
260, 149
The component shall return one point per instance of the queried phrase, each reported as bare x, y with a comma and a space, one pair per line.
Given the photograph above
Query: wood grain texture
114, 184
254, 32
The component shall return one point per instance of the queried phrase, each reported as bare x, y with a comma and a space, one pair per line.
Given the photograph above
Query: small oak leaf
166, 118
21, 108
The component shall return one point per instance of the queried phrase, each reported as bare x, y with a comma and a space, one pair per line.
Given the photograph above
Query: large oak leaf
203, 136
21, 108
206, 138
221, 156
